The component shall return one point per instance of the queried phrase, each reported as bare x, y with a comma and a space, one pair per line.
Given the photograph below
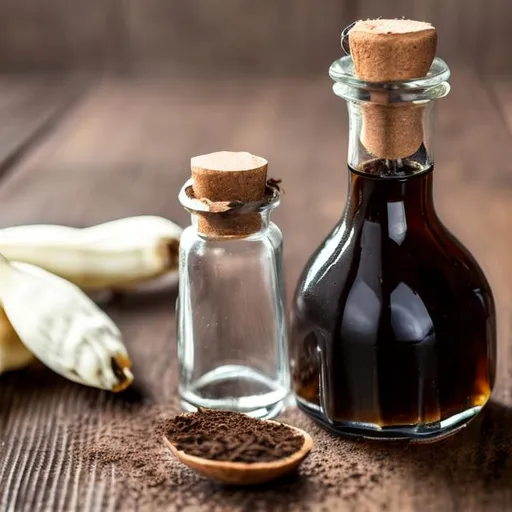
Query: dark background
264, 37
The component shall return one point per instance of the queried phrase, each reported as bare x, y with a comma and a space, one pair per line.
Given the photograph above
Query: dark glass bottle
393, 322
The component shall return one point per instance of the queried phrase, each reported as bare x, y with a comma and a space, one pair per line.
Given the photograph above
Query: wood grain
56, 35
236, 36
230, 36
29, 106
124, 150
501, 90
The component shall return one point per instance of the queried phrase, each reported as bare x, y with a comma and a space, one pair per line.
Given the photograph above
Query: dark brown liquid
393, 321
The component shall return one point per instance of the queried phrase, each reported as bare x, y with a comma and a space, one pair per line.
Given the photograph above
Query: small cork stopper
229, 176
392, 50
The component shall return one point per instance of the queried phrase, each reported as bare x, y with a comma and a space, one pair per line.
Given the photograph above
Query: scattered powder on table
126, 448
229, 436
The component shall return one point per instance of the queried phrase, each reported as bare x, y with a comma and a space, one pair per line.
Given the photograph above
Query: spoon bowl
244, 473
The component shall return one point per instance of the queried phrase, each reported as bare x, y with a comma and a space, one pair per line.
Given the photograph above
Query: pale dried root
115, 255
63, 328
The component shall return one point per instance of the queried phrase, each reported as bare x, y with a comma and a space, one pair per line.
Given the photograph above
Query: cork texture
229, 176
385, 51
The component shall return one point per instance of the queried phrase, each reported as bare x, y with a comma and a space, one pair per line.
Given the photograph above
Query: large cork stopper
227, 176
386, 51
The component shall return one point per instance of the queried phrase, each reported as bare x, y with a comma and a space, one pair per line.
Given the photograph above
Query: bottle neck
216, 225
390, 141
390, 122
230, 219
395, 199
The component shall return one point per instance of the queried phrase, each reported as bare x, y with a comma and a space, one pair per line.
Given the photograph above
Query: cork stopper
227, 176
384, 51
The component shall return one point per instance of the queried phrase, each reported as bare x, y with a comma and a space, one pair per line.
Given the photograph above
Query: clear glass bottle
232, 339
393, 322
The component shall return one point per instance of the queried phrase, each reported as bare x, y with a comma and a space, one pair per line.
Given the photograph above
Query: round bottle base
424, 433
236, 388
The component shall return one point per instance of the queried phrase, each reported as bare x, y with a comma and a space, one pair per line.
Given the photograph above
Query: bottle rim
227, 208
346, 84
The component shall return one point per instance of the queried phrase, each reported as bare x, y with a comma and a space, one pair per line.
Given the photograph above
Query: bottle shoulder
430, 265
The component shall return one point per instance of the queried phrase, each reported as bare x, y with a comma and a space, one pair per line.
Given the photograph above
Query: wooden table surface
79, 154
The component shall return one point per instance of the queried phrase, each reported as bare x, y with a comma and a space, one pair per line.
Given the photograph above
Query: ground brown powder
229, 436
148, 477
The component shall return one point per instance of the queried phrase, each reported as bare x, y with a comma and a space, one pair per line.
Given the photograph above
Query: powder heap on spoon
228, 436
235, 449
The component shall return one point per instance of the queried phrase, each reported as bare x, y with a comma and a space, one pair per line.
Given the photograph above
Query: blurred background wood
80, 152
204, 37
124, 149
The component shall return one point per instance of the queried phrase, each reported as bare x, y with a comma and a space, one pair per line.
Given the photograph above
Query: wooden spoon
243, 473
